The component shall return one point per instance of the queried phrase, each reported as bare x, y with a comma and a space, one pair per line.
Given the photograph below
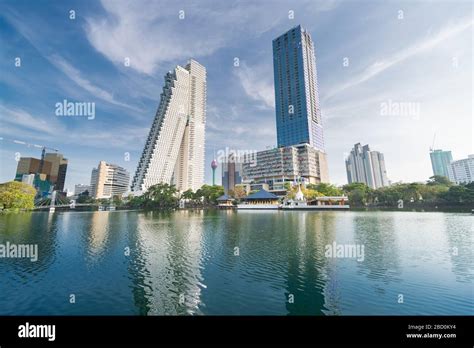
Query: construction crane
432, 145
42, 147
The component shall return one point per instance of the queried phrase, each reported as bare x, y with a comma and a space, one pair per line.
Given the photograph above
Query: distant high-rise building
440, 161
81, 188
109, 180
366, 166
30, 165
174, 149
462, 171
28, 168
231, 173
53, 170
298, 112
58, 169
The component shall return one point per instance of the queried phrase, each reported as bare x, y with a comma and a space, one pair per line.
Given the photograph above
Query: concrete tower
174, 149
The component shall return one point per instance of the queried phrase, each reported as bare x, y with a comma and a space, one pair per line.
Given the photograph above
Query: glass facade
231, 173
440, 161
297, 105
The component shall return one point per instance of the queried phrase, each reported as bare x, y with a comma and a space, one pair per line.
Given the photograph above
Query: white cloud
76, 76
46, 129
400, 56
151, 32
257, 84
33, 37
21, 118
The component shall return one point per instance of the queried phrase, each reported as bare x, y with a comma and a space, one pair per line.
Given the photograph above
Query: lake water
238, 263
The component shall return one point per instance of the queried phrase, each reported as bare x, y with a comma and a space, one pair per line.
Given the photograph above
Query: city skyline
365, 76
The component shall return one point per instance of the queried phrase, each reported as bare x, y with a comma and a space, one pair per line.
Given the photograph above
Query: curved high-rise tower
174, 149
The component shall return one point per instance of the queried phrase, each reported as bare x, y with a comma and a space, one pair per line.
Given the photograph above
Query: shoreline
423, 209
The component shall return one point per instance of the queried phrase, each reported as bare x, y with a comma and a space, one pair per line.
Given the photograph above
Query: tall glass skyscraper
297, 106
440, 161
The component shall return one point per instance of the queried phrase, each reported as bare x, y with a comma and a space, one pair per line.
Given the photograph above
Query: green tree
188, 194
211, 193
103, 201
326, 189
311, 194
84, 198
161, 196
117, 200
439, 180
357, 197
460, 194
136, 202
358, 193
17, 195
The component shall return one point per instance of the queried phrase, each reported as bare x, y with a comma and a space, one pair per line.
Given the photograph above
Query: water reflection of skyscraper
459, 232
169, 272
377, 233
98, 233
308, 270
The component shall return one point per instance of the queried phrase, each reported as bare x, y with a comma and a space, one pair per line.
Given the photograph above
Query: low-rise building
260, 200
225, 201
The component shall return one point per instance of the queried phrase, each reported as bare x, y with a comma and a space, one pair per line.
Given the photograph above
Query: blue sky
398, 52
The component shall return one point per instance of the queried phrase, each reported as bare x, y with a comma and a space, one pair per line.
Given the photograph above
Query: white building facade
462, 171
275, 167
109, 180
174, 149
28, 179
366, 166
